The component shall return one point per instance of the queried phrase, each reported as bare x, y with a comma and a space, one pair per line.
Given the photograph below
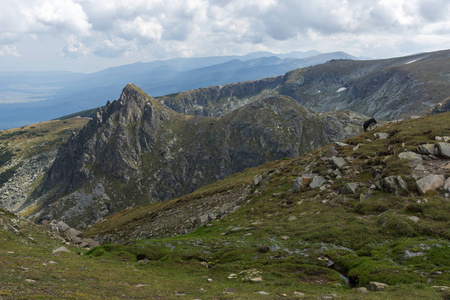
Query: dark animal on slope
368, 124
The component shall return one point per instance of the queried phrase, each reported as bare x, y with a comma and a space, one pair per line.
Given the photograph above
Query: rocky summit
137, 151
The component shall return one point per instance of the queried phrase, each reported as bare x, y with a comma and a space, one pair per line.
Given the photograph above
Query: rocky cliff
138, 151
385, 89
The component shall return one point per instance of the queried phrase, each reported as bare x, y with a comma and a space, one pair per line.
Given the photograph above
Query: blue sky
90, 35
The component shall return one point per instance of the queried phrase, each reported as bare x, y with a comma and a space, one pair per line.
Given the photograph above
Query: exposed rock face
13, 194
137, 151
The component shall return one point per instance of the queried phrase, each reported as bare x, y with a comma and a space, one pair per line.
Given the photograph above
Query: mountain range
30, 97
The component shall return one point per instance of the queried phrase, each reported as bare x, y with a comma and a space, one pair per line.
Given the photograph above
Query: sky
90, 35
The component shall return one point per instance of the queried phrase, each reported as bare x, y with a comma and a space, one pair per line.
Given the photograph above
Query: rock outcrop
137, 151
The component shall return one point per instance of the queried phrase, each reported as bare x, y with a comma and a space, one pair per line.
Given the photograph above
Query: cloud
74, 48
159, 29
8, 50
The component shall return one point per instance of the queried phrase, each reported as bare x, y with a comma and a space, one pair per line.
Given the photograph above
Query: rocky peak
118, 133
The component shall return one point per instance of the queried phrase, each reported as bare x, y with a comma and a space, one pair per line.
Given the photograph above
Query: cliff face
386, 89
138, 151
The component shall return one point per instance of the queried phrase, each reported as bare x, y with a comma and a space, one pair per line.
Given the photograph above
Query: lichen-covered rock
317, 181
393, 184
444, 149
409, 155
377, 286
427, 149
430, 183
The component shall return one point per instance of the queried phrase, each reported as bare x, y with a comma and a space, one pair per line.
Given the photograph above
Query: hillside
137, 151
281, 238
385, 89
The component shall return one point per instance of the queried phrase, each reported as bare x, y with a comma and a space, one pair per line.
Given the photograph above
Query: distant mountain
386, 89
50, 95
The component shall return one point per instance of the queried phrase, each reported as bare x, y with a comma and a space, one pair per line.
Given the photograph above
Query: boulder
318, 181
349, 188
381, 135
427, 149
338, 162
73, 232
257, 179
430, 183
409, 155
377, 286
444, 149
393, 184
62, 227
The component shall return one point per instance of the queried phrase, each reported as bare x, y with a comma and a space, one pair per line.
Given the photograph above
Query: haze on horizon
90, 35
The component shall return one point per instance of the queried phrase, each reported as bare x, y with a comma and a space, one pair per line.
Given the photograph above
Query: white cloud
9, 50
74, 48
158, 29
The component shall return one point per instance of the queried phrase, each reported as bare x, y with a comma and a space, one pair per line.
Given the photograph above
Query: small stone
441, 287
204, 264
357, 147
232, 276
61, 249
140, 285
256, 279
292, 218
377, 286
30, 280
262, 293
414, 218
299, 294
411, 156
285, 237
430, 183
341, 144
362, 290
444, 149
330, 152
381, 135
209, 280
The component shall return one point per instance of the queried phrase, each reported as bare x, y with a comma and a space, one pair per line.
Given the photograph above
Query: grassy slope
303, 231
368, 239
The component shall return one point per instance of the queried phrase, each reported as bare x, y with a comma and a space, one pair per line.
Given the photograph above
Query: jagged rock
410, 156
349, 188
427, 149
393, 184
257, 179
318, 181
444, 149
377, 286
381, 135
430, 183
330, 152
338, 162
